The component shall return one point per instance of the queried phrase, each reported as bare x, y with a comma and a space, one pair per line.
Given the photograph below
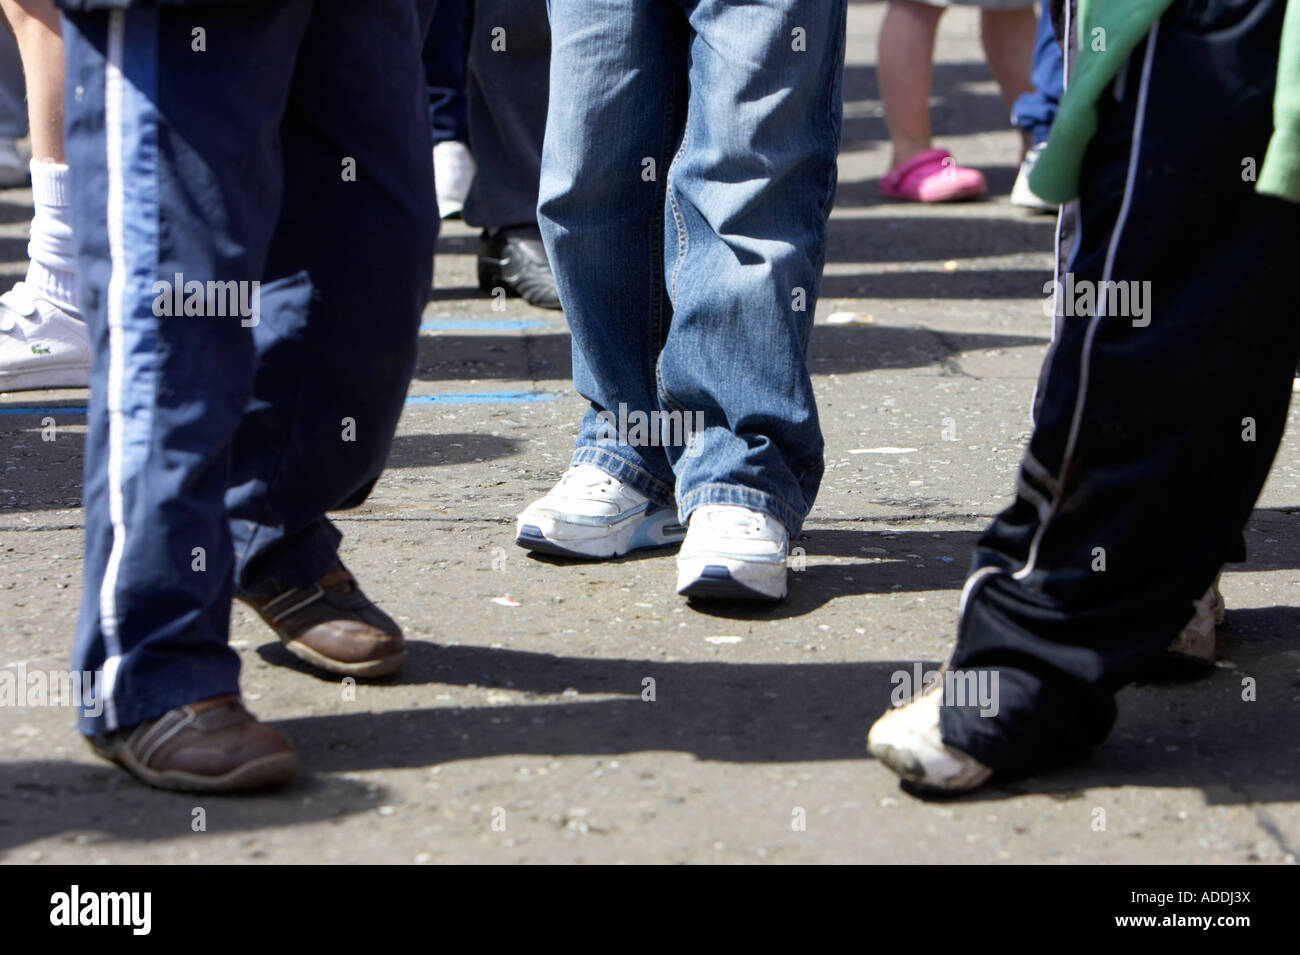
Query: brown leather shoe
331, 624
213, 746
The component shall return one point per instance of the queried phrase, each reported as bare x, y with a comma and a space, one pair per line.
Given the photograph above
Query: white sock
51, 274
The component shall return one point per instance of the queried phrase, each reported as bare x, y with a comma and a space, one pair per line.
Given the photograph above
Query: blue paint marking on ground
481, 398
71, 409
493, 325
452, 398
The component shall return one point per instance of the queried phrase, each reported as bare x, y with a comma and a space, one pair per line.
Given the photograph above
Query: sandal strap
921, 160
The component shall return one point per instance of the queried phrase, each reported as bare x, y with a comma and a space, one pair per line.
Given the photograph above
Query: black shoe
515, 260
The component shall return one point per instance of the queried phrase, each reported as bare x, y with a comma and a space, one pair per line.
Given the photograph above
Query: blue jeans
1034, 111
687, 174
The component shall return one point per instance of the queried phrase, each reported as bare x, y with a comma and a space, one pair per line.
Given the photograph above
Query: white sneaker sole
714, 577
1022, 197
58, 376
1033, 203
549, 533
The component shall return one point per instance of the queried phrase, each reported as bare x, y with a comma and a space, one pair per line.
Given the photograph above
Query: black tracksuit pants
1155, 431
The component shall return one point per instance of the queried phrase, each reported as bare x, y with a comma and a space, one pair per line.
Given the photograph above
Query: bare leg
906, 62
1009, 37
36, 28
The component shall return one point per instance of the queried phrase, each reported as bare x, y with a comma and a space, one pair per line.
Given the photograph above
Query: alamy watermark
1084, 298
20, 687
210, 299
960, 687
650, 429
133, 910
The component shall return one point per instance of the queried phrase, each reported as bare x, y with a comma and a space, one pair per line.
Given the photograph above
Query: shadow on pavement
912, 561
1200, 735
45, 798
1193, 735
929, 237
935, 283
834, 349
889, 560
434, 450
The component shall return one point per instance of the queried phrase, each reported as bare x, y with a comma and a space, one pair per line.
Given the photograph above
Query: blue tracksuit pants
251, 187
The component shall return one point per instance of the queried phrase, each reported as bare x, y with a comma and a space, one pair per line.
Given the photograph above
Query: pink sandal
932, 176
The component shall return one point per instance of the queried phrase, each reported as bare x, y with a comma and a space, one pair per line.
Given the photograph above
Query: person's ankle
905, 151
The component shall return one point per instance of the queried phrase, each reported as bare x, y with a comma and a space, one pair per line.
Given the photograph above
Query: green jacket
1126, 23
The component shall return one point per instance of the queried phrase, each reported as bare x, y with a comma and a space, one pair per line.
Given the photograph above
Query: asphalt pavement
523, 729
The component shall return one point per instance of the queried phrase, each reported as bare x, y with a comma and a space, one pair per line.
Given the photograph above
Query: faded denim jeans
687, 174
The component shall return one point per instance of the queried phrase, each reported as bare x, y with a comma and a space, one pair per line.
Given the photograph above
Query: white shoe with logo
590, 514
732, 553
41, 346
1198, 641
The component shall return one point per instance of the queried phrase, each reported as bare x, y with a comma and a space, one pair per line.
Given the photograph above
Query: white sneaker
453, 171
13, 167
591, 514
1021, 194
908, 741
1199, 639
41, 346
732, 553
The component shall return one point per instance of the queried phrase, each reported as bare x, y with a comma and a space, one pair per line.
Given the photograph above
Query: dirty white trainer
41, 346
1199, 639
732, 553
593, 515
907, 740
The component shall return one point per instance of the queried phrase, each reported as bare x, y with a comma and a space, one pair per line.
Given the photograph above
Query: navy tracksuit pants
1154, 434
507, 90
444, 54
281, 150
